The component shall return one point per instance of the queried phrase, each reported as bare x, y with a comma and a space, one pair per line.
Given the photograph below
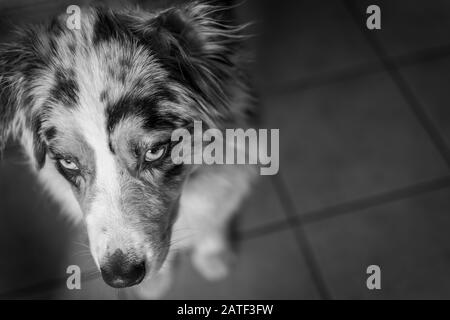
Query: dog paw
215, 265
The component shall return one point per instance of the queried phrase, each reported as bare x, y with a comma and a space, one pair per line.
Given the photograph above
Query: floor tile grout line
412, 58
265, 229
301, 238
378, 200
352, 206
415, 106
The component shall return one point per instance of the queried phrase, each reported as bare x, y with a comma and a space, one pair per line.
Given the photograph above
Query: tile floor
365, 153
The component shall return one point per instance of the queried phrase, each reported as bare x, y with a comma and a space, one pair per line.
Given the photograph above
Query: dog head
96, 107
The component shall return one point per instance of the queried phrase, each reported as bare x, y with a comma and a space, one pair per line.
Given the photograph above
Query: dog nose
119, 271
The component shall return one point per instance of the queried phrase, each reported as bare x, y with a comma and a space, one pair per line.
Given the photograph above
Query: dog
94, 109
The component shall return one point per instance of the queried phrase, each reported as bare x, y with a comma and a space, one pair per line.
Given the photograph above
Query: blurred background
364, 121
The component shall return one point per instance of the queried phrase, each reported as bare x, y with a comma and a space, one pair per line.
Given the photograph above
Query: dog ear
198, 46
18, 63
10, 91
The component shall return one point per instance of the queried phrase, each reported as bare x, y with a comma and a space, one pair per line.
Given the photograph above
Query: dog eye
154, 153
68, 164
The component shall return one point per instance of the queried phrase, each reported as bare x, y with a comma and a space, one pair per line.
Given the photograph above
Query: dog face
96, 108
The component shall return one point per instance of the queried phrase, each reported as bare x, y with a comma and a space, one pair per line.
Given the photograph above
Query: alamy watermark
373, 22
73, 281
374, 280
235, 146
73, 21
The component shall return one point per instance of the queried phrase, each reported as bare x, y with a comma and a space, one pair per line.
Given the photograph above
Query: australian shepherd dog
94, 109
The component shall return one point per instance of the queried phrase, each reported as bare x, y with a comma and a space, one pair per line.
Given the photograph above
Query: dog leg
207, 206
213, 256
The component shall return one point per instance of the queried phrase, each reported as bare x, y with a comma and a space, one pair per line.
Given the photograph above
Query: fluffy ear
199, 46
18, 64
10, 84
